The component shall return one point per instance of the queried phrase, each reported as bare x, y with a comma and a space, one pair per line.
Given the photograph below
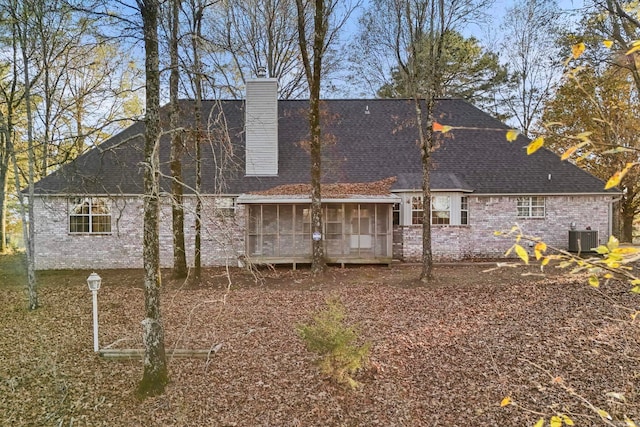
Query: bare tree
250, 34
177, 207
327, 20
409, 35
4, 180
20, 14
623, 27
155, 375
195, 9
531, 54
312, 60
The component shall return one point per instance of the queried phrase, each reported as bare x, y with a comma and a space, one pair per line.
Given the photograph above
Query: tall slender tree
155, 375
22, 49
250, 34
409, 34
532, 55
177, 206
312, 60
196, 11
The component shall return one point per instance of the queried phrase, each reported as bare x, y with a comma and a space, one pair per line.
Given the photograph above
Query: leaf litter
444, 354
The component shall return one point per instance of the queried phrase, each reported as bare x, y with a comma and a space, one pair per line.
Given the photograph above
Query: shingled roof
369, 140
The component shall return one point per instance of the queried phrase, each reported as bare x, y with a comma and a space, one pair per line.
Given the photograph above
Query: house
255, 193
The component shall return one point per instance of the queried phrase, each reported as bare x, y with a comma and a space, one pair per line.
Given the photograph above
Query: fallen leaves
336, 190
448, 352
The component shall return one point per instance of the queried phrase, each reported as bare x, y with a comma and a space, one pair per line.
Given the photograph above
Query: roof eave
292, 199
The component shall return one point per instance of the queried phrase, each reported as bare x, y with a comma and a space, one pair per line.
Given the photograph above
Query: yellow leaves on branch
512, 135
604, 414
539, 249
569, 152
535, 145
635, 46
522, 253
577, 50
584, 138
614, 181
556, 421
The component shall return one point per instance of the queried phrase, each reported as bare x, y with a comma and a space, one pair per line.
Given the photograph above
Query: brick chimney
261, 126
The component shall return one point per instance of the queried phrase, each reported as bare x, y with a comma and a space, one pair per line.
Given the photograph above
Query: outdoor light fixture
94, 282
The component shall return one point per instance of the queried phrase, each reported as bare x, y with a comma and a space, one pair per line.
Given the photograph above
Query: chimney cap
262, 72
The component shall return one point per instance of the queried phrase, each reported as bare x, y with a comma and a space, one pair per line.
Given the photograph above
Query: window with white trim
416, 210
396, 213
530, 207
445, 209
89, 215
225, 207
464, 210
440, 210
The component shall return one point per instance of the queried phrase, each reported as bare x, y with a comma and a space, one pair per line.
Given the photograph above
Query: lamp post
94, 282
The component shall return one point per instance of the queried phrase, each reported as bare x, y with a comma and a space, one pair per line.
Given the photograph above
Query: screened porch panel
352, 232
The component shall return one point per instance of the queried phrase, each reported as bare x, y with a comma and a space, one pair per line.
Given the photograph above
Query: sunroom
356, 230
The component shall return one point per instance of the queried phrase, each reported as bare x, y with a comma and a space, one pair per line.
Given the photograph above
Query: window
445, 209
396, 214
464, 210
89, 215
225, 207
440, 210
416, 210
530, 207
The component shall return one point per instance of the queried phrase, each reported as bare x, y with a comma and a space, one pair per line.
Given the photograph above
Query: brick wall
223, 236
55, 248
489, 214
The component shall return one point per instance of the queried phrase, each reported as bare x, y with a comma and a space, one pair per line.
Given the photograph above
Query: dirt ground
446, 354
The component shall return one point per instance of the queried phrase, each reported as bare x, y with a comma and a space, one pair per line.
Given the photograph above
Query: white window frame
464, 208
225, 207
411, 210
89, 208
417, 207
530, 207
444, 205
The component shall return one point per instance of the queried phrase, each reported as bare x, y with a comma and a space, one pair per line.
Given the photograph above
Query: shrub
335, 343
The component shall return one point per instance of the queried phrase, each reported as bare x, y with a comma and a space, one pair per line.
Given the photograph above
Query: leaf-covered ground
442, 355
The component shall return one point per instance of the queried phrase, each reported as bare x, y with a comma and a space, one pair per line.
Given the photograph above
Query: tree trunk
177, 207
155, 375
318, 263
627, 216
4, 178
28, 223
313, 71
426, 137
197, 114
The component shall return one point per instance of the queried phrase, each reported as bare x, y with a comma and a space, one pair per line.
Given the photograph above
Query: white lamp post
94, 282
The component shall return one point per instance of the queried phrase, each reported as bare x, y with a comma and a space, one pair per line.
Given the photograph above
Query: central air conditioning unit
583, 240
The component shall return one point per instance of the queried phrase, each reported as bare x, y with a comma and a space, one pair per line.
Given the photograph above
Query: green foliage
335, 343
469, 71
